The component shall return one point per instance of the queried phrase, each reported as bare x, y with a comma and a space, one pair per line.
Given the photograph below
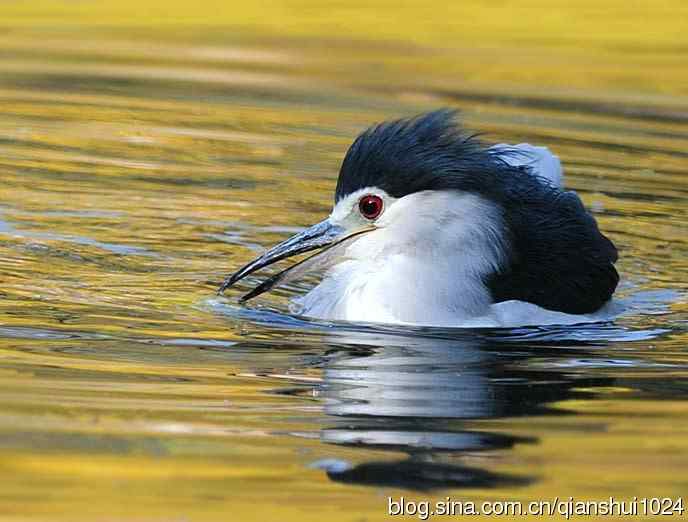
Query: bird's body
432, 228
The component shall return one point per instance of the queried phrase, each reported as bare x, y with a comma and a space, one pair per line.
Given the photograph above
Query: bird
433, 227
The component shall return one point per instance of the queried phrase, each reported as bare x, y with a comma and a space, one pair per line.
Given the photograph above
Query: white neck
425, 265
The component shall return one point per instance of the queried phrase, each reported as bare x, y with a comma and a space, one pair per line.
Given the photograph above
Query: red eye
370, 206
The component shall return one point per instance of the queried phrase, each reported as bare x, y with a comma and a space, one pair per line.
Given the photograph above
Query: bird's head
423, 188
397, 187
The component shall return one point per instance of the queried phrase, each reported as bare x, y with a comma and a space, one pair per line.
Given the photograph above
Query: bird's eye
370, 206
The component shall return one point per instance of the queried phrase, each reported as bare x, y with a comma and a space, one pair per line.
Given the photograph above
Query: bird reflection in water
417, 395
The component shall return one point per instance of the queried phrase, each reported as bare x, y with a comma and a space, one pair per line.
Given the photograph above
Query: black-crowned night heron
432, 227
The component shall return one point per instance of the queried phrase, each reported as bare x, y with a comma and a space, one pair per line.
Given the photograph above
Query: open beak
323, 235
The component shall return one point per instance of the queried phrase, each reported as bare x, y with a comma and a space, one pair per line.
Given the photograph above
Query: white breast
426, 266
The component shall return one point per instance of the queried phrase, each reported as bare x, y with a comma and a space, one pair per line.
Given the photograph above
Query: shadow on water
420, 391
415, 397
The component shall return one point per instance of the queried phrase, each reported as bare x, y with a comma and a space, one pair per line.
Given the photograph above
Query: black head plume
427, 152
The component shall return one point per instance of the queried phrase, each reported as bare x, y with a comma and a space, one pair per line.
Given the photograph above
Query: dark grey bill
317, 236
317, 261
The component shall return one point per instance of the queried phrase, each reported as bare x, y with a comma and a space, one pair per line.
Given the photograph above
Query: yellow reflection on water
147, 148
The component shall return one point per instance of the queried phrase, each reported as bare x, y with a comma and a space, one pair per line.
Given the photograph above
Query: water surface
138, 166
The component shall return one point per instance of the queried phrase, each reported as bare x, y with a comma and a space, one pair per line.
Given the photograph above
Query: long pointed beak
320, 235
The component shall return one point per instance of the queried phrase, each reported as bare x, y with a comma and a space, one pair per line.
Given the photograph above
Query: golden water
148, 148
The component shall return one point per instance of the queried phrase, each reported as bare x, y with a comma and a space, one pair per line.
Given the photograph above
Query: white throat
425, 264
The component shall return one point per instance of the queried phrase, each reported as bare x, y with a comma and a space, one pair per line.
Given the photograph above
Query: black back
558, 259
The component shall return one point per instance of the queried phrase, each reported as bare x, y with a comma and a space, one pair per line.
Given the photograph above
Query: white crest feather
540, 159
